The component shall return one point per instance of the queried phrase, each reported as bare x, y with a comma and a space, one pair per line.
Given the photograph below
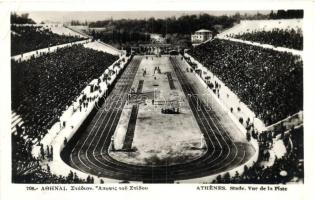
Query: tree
245, 169
236, 177
75, 178
237, 17
48, 168
21, 19
51, 153
226, 177
42, 152
48, 152
29, 149
219, 179
70, 176
272, 15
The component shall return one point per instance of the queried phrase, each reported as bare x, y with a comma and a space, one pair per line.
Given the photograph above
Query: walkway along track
170, 80
132, 121
131, 128
88, 152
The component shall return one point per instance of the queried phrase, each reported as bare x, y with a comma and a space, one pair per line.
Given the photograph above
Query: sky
100, 15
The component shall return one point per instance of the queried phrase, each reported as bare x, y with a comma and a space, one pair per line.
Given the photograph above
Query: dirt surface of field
159, 139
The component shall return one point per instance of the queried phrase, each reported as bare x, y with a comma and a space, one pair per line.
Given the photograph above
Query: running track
89, 152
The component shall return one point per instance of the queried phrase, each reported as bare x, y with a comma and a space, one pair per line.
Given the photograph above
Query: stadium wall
101, 46
73, 119
78, 31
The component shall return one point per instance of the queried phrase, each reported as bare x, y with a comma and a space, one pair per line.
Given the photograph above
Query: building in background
200, 36
157, 38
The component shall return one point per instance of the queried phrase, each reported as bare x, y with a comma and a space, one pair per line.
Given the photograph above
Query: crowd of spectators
43, 176
289, 168
26, 38
43, 87
27, 169
268, 81
288, 38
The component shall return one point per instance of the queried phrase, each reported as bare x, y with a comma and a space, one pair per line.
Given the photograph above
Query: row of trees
183, 24
286, 14
279, 14
120, 36
78, 23
21, 19
186, 24
123, 33
48, 153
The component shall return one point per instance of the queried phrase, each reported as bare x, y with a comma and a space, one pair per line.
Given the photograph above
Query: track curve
88, 152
